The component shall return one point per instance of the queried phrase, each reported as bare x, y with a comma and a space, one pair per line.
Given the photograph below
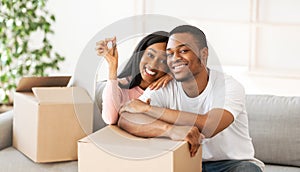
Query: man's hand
135, 106
190, 134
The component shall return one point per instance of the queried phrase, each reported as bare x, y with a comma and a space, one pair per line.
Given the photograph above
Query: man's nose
176, 56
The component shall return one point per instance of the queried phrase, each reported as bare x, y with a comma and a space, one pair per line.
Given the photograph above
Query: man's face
183, 56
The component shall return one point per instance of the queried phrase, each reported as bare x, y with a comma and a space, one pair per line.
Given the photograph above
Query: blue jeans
230, 166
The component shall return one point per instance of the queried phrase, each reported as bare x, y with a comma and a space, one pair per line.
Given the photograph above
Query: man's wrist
168, 131
176, 133
148, 108
154, 112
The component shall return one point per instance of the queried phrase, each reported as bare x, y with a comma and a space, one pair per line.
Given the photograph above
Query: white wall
78, 21
259, 47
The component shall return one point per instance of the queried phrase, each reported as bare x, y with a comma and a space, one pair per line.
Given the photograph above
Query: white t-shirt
222, 91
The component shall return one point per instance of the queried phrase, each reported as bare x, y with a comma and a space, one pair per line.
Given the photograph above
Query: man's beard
187, 78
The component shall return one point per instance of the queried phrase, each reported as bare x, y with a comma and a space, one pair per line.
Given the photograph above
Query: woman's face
153, 64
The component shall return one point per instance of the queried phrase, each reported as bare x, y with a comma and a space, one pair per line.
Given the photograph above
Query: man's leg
230, 166
245, 166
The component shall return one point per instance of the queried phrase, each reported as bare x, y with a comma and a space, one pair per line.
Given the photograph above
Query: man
212, 103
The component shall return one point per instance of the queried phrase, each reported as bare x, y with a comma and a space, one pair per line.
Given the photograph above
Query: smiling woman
146, 67
153, 64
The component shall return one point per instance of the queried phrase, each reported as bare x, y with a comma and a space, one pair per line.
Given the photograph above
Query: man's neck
196, 85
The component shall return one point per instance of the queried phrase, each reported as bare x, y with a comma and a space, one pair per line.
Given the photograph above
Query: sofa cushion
274, 127
12, 160
98, 121
279, 168
98, 96
6, 119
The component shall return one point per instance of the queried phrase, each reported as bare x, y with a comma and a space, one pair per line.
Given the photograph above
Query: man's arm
144, 126
210, 123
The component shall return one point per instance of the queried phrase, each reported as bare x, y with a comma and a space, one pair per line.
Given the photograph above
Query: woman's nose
154, 63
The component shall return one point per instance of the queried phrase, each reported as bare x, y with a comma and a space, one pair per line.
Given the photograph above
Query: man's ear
204, 55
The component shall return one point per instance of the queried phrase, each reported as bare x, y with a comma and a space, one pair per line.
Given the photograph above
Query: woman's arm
112, 93
112, 100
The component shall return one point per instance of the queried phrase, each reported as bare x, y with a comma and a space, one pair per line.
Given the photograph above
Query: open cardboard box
49, 118
112, 149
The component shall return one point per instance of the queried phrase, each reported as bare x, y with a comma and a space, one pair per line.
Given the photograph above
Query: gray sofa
274, 127
274, 123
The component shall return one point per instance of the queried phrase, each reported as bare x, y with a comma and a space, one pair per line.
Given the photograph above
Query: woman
146, 68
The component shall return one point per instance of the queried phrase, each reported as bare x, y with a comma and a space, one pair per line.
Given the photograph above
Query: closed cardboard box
49, 120
112, 149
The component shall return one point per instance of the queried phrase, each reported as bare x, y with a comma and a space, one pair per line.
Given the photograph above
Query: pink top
114, 97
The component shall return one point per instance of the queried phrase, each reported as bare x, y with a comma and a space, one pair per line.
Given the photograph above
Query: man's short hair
196, 32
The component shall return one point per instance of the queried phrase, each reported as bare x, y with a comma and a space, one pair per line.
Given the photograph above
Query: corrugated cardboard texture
25, 126
26, 83
47, 130
111, 149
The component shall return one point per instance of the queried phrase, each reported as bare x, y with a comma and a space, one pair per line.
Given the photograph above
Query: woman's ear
204, 55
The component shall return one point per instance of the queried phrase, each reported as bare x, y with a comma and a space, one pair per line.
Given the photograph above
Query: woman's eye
163, 61
169, 55
150, 55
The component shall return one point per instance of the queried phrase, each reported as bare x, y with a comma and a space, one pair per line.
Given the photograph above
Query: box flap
119, 143
27, 83
61, 95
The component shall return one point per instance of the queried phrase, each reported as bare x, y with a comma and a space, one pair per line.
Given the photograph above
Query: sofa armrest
6, 122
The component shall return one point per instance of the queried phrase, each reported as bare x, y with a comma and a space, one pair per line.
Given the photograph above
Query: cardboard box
49, 121
114, 150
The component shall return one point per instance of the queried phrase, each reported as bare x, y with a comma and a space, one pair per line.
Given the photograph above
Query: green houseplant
19, 20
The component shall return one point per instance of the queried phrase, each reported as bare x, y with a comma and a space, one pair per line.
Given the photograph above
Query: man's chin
183, 79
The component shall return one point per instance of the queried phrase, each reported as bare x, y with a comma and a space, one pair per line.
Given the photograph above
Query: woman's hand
161, 82
110, 55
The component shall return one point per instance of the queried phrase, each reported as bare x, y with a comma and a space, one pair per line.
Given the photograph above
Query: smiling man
201, 98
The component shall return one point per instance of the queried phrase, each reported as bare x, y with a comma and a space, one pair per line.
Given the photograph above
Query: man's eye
183, 51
